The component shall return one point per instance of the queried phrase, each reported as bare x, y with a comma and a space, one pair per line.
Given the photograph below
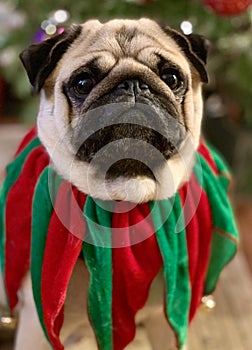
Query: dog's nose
132, 86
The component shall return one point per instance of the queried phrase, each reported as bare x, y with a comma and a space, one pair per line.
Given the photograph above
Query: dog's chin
125, 180
137, 189
161, 184
118, 182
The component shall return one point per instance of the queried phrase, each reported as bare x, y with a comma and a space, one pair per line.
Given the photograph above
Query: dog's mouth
127, 150
129, 168
134, 144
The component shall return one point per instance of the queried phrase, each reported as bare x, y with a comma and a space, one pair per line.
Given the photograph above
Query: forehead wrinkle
105, 60
166, 44
150, 53
141, 47
138, 44
127, 40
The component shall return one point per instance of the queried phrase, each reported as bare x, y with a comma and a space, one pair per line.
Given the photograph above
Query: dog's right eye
172, 78
83, 84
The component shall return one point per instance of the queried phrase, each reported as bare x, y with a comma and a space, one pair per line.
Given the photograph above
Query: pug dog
110, 90
120, 116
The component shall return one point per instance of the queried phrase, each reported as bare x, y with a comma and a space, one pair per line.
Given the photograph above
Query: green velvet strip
13, 170
224, 171
225, 234
98, 257
176, 272
44, 196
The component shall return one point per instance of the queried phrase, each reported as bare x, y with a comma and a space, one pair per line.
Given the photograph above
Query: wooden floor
229, 325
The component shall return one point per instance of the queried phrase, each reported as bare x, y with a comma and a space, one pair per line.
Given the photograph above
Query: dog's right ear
195, 47
40, 59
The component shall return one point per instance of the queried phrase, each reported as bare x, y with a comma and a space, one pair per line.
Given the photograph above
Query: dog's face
121, 106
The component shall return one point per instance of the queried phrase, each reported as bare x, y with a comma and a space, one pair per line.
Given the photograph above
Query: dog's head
121, 106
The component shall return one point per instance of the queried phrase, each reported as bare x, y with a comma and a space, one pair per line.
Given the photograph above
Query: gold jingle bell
208, 303
7, 322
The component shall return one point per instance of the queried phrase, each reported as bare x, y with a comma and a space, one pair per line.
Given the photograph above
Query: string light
51, 29
51, 26
61, 16
186, 27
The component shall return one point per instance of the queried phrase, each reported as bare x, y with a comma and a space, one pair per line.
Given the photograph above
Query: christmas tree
230, 34
226, 23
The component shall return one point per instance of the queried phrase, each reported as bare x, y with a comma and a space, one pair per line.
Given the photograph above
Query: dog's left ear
40, 59
195, 47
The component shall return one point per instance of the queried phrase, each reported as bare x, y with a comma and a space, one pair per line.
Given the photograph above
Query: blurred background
226, 23
228, 96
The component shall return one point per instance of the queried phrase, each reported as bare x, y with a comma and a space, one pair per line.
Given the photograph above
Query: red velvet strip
61, 253
134, 268
205, 152
32, 134
197, 214
18, 222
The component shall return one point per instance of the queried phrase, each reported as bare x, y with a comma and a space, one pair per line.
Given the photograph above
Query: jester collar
46, 224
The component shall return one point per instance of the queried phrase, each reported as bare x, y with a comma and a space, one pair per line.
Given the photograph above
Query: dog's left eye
172, 78
84, 84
